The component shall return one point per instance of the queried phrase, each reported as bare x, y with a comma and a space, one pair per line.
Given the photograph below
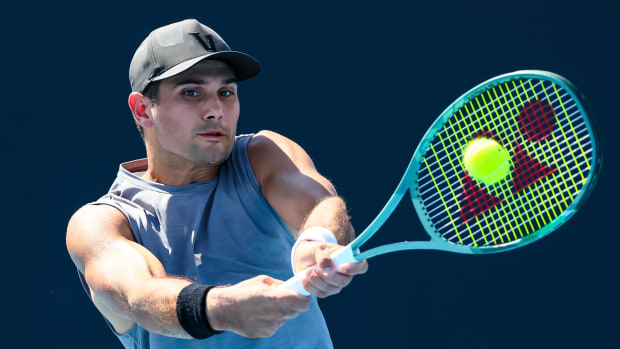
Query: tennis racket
541, 120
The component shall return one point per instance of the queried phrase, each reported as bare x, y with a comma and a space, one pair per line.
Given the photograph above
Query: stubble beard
211, 157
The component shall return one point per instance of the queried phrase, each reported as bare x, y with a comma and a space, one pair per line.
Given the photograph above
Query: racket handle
343, 255
294, 284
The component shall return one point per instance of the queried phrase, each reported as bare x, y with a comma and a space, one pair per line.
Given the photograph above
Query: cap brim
245, 66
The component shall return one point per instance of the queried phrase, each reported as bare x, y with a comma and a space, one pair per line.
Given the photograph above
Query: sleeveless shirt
216, 233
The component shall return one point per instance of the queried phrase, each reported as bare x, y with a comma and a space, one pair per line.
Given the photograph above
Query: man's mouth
212, 134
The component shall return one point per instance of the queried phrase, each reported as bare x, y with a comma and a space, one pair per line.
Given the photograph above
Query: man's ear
140, 109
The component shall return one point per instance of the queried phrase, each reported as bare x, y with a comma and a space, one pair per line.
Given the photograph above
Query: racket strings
438, 163
518, 216
546, 157
457, 152
509, 132
425, 186
512, 209
439, 222
506, 233
522, 142
468, 207
433, 193
516, 208
520, 221
530, 149
471, 118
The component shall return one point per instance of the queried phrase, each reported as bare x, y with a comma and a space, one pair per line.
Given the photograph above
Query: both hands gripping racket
540, 119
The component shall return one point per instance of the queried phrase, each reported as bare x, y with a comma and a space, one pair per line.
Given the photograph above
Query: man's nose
213, 109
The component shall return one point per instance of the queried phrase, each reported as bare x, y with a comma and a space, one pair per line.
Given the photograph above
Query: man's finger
291, 300
316, 285
353, 268
269, 281
338, 280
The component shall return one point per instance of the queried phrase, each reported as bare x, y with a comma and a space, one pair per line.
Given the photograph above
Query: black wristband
192, 311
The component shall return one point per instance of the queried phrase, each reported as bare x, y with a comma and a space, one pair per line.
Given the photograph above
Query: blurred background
356, 83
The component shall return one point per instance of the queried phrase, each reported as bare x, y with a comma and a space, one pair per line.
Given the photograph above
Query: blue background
356, 83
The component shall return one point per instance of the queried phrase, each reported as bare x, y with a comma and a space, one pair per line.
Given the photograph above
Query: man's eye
226, 93
191, 93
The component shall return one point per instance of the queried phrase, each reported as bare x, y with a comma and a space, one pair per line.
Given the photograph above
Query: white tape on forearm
313, 234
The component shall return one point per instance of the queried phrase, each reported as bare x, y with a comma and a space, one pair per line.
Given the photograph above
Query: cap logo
205, 40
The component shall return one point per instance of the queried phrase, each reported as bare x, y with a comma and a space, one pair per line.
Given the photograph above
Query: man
208, 208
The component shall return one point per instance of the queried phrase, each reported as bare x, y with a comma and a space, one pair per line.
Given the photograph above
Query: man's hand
253, 308
325, 280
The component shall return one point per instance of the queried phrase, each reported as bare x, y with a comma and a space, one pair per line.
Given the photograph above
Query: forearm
332, 214
149, 302
154, 306
253, 308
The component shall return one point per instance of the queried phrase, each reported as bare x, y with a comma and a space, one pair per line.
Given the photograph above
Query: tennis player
187, 248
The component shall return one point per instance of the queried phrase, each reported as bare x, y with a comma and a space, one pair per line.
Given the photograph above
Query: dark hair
151, 91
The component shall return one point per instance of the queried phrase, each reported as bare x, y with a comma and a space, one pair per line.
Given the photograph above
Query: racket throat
403, 246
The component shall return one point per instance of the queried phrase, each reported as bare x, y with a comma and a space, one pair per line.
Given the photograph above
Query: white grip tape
294, 284
342, 256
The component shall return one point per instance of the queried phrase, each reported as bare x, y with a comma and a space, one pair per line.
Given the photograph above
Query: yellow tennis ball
486, 160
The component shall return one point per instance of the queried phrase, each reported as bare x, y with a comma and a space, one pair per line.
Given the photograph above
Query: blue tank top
215, 233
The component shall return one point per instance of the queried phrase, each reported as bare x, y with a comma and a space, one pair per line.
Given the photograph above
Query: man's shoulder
268, 152
270, 144
92, 221
94, 213
263, 138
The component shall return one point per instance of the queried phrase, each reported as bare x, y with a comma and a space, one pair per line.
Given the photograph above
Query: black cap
176, 47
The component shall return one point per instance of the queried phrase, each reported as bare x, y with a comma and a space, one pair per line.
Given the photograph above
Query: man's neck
177, 171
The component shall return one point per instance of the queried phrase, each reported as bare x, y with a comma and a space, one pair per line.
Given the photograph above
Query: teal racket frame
410, 178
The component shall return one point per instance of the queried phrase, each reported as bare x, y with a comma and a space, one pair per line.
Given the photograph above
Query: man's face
196, 115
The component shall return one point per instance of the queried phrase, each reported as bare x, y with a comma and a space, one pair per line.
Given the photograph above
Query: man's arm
128, 283
331, 213
304, 198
